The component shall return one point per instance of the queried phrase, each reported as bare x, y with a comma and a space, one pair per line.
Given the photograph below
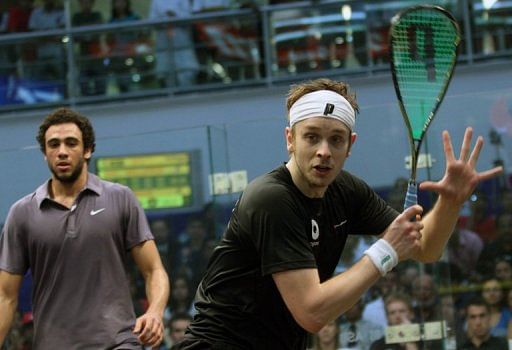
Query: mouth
63, 166
322, 169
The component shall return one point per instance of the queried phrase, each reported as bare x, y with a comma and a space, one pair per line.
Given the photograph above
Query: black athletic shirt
273, 228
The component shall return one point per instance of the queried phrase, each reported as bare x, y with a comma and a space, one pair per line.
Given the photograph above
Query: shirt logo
94, 212
315, 231
340, 224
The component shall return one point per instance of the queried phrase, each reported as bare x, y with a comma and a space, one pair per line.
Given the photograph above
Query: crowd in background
113, 61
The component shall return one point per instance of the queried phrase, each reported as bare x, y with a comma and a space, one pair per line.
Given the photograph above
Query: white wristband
383, 256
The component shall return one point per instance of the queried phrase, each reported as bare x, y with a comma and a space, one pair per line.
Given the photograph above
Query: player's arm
149, 327
314, 304
9, 288
458, 183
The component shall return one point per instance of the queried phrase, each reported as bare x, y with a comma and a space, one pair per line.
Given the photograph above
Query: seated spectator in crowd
464, 248
166, 242
454, 318
191, 249
214, 221
327, 338
92, 80
398, 312
480, 219
176, 59
385, 286
50, 64
499, 314
181, 297
425, 298
408, 272
503, 269
356, 332
478, 334
501, 246
121, 42
177, 326
17, 18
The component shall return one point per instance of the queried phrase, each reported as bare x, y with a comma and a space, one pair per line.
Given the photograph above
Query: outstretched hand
460, 178
149, 329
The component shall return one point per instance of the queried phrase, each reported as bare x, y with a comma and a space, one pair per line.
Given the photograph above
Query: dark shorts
200, 344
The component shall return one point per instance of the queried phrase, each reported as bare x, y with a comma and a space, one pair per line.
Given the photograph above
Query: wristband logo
385, 260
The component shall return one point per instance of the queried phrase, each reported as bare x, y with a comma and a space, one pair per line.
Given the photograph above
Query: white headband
323, 103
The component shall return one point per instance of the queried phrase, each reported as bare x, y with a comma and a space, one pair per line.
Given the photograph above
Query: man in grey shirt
74, 233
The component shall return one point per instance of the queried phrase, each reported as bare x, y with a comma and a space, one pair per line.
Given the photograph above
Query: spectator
464, 248
501, 246
503, 269
499, 315
50, 53
375, 310
177, 326
90, 62
191, 250
480, 219
213, 219
166, 241
121, 43
426, 299
478, 334
356, 332
398, 311
18, 16
327, 338
175, 53
181, 296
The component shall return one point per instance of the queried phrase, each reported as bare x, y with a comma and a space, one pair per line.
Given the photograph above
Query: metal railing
267, 45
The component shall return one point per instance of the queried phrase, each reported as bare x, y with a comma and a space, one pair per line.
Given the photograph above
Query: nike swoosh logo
340, 224
94, 212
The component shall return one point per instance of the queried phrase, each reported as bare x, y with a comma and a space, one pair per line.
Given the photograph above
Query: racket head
424, 43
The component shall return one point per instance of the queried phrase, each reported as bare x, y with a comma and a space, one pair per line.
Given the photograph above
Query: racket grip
411, 198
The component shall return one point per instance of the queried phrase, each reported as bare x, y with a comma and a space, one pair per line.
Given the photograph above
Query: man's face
318, 148
477, 318
177, 329
398, 313
65, 152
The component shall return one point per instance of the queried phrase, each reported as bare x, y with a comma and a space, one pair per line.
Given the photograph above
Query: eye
53, 144
338, 140
311, 138
71, 142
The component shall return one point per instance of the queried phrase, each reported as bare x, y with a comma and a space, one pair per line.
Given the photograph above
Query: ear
353, 138
289, 139
87, 154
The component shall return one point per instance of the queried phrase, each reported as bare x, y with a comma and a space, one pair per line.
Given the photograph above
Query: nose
323, 151
63, 151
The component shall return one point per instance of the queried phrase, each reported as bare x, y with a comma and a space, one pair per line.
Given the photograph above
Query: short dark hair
66, 115
476, 301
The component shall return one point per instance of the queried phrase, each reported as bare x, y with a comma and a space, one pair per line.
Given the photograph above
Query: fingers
485, 175
412, 212
149, 330
476, 152
448, 148
466, 144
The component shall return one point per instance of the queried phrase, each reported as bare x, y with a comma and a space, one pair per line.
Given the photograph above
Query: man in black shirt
478, 334
269, 281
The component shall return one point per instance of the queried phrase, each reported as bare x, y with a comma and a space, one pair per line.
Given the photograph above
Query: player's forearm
341, 292
157, 290
439, 225
7, 309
